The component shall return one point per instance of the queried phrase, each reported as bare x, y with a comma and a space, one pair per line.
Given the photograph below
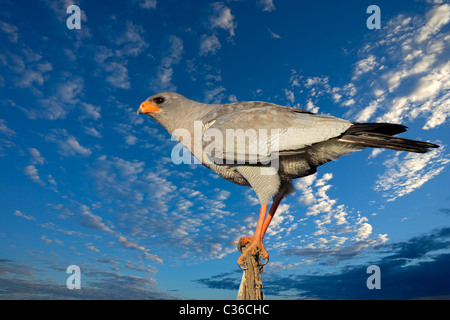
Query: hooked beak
148, 107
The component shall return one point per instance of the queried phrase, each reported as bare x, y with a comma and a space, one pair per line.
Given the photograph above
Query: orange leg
256, 241
269, 217
261, 228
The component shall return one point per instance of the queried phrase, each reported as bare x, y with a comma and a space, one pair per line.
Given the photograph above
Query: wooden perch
251, 284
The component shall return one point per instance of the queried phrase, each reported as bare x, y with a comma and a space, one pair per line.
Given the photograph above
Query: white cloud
215, 95
70, 89
174, 52
45, 239
403, 76
289, 95
283, 222
405, 174
18, 213
92, 248
232, 98
147, 4
311, 107
338, 234
68, 145
51, 109
437, 17
33, 173
129, 244
152, 201
89, 220
304, 185
113, 62
172, 57
5, 130
365, 114
273, 34
72, 147
51, 180
59, 105
222, 18
92, 132
36, 156
131, 140
117, 74
267, 5
375, 152
91, 111
209, 45
11, 30
364, 66
132, 42
35, 74
314, 81
316, 87
94, 222
116, 178
364, 229
222, 194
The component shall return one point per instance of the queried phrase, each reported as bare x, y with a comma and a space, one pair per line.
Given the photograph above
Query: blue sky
87, 182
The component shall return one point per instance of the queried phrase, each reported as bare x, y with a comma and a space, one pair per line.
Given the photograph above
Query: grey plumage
303, 141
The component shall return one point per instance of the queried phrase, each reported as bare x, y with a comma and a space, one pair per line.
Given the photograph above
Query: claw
255, 247
266, 262
242, 265
243, 242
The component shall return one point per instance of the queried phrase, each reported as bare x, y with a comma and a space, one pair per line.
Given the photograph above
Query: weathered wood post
251, 284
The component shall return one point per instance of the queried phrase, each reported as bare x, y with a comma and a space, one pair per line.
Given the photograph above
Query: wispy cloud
132, 42
408, 69
172, 56
209, 45
408, 172
91, 221
33, 173
401, 264
5, 130
36, 157
273, 34
267, 5
154, 204
19, 213
67, 145
91, 111
147, 4
46, 240
339, 235
113, 59
311, 89
11, 30
94, 222
222, 18
20, 282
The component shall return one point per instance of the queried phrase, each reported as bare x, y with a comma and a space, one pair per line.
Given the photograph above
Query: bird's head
172, 110
163, 102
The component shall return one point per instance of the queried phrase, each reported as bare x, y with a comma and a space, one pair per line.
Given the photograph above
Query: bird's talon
255, 248
243, 242
265, 262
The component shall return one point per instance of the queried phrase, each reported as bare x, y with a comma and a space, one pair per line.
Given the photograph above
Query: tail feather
383, 128
379, 135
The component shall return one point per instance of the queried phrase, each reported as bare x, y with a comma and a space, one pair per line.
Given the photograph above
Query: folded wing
264, 131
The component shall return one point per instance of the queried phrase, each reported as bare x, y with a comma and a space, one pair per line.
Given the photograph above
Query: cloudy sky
85, 181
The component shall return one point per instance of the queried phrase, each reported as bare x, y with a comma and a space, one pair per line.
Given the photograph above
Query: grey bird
265, 146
